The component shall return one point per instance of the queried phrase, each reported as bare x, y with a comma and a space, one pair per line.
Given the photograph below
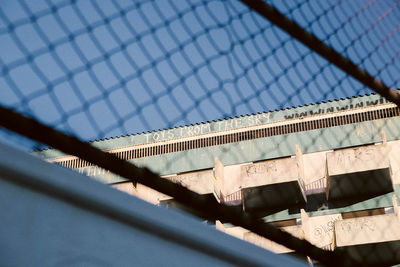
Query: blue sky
98, 69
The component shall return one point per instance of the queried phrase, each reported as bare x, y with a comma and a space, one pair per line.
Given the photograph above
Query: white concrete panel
200, 182
244, 234
269, 172
150, 195
314, 166
126, 187
358, 159
319, 230
364, 230
260, 241
218, 181
236, 231
232, 179
394, 154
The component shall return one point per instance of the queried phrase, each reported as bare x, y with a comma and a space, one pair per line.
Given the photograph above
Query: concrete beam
126, 187
150, 195
364, 230
360, 171
319, 230
260, 241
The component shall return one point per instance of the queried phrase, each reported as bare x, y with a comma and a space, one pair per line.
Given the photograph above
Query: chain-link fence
317, 156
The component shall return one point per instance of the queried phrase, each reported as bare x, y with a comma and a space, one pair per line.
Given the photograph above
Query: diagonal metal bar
206, 208
327, 52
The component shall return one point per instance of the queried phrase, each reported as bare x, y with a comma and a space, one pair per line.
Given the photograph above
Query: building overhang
367, 183
273, 196
378, 254
358, 172
373, 239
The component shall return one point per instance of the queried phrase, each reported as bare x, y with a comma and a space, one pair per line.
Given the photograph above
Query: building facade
327, 172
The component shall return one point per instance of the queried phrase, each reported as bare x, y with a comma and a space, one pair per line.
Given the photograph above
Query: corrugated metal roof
225, 124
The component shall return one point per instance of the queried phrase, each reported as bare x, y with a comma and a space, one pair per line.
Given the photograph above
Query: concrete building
327, 172
53, 216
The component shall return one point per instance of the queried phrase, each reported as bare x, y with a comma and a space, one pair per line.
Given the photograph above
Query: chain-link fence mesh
97, 70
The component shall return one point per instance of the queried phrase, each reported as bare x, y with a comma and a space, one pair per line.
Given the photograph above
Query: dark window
284, 223
363, 213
